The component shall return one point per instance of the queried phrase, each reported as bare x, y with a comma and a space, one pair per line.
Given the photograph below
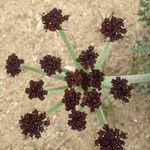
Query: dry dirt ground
21, 32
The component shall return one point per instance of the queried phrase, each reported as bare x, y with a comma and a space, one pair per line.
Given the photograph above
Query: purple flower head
110, 138
53, 20
51, 64
95, 79
73, 78
91, 99
32, 124
36, 90
120, 90
77, 120
113, 28
71, 99
13, 65
87, 58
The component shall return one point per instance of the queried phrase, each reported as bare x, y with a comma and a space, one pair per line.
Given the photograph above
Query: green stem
139, 78
57, 105
78, 89
70, 49
58, 76
53, 108
102, 57
81, 109
65, 70
101, 116
40, 71
53, 88
34, 69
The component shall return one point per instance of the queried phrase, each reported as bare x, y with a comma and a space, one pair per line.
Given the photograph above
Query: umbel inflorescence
83, 86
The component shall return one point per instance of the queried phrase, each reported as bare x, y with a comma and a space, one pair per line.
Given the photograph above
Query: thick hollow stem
102, 57
139, 78
40, 71
70, 49
101, 116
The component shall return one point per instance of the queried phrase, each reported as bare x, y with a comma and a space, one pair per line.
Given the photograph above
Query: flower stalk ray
70, 49
40, 71
103, 56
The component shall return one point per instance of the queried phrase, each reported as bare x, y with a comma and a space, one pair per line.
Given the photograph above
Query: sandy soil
21, 32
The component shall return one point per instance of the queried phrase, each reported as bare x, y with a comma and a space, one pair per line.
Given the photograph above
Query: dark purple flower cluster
92, 99
84, 79
71, 99
73, 78
36, 90
32, 124
95, 79
87, 58
120, 89
113, 28
13, 65
111, 139
53, 20
77, 120
51, 64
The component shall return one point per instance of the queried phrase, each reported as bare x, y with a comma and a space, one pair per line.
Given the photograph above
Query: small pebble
135, 120
39, 26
